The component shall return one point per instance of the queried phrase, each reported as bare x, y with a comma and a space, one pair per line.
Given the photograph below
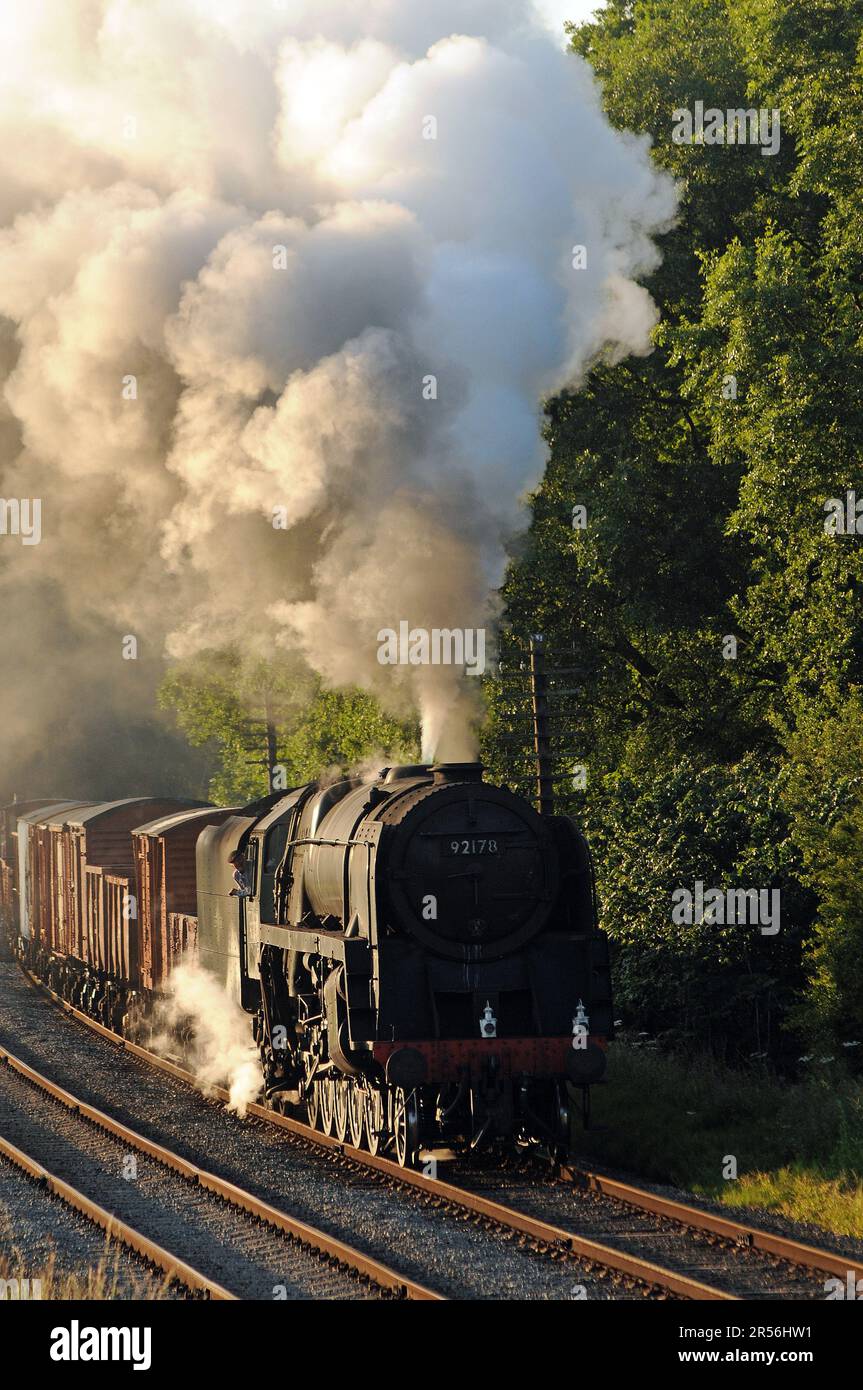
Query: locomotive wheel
328, 1104
356, 1113
373, 1119
405, 1126
340, 1110
313, 1105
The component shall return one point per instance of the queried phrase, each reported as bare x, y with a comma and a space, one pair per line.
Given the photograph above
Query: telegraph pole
271, 742
541, 727
266, 727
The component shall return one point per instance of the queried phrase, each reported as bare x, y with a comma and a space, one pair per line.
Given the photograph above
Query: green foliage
706, 520
223, 701
824, 792
724, 983
342, 729
798, 1147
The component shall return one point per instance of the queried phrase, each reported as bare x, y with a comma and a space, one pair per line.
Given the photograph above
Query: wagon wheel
356, 1113
373, 1119
313, 1104
328, 1104
405, 1126
340, 1111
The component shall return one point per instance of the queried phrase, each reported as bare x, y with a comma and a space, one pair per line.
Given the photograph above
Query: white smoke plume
333, 245
220, 1050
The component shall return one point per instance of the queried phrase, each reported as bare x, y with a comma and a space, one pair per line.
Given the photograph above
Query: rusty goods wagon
10, 814
10, 857
9, 817
10, 896
164, 854
7, 896
103, 921
80, 917
44, 890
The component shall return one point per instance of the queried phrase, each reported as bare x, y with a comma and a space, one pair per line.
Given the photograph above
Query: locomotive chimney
457, 772
395, 774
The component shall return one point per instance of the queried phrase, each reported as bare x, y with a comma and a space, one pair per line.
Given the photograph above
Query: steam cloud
220, 1051
240, 205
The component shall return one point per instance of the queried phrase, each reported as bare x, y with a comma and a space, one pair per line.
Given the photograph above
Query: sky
556, 11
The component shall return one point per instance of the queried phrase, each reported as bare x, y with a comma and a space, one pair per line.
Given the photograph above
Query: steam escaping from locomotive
276, 322
196, 1008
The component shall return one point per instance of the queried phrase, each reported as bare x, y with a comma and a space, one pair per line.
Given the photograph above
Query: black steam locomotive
419, 950
421, 956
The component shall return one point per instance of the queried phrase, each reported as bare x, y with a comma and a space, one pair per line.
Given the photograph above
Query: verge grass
101, 1282
796, 1148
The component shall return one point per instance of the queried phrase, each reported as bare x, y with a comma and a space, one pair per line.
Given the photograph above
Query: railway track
194, 1178
736, 1233
759, 1263
541, 1235
176, 1270
557, 1238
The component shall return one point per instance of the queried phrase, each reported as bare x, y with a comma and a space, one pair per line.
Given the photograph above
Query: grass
100, 1282
797, 1147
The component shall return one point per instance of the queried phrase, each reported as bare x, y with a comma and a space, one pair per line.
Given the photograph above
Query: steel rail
237, 1197
555, 1238
737, 1232
115, 1228
728, 1229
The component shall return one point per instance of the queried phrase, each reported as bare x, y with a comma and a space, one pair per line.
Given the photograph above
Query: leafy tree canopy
704, 470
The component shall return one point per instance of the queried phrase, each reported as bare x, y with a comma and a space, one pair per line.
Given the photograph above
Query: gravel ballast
39, 1232
433, 1246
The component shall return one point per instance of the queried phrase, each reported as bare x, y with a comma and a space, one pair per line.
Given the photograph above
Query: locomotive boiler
421, 956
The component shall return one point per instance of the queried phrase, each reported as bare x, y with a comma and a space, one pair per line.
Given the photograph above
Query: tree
717, 625
221, 700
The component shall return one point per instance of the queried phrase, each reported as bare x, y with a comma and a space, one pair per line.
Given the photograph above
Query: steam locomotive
419, 951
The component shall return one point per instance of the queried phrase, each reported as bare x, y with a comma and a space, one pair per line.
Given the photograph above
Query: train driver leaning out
242, 888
